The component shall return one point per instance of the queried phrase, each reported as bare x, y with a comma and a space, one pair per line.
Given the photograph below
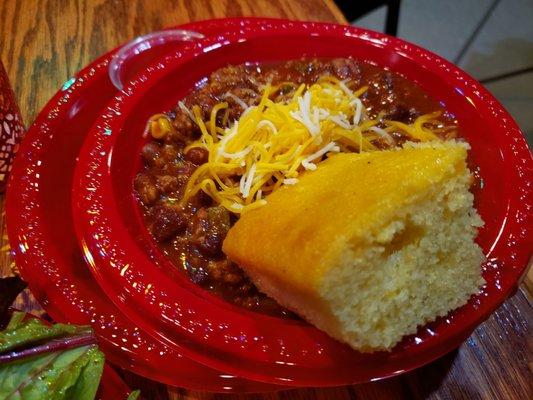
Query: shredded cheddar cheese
272, 143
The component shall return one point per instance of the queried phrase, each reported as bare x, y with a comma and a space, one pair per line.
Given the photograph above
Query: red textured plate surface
112, 387
42, 236
141, 281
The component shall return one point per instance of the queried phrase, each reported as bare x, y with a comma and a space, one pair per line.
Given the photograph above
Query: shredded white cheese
340, 120
345, 88
266, 123
232, 133
308, 165
237, 100
290, 181
382, 132
248, 182
303, 115
239, 154
358, 111
329, 147
184, 108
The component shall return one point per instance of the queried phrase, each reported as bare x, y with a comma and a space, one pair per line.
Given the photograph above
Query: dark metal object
476, 31
353, 9
9, 290
506, 75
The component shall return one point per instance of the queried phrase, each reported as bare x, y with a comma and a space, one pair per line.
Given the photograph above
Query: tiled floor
486, 38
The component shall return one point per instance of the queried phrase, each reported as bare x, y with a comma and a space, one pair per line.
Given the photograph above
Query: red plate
42, 235
112, 387
138, 278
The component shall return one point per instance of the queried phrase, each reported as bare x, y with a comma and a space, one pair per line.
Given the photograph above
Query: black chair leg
353, 9
393, 14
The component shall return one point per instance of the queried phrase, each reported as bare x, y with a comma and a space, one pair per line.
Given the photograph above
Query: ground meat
345, 68
231, 77
197, 274
185, 128
402, 113
167, 183
146, 188
247, 95
170, 153
400, 138
183, 171
206, 99
225, 271
208, 228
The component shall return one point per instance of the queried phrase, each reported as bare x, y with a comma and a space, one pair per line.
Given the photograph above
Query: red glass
141, 282
42, 237
11, 127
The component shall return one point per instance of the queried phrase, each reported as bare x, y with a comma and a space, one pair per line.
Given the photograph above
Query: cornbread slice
369, 246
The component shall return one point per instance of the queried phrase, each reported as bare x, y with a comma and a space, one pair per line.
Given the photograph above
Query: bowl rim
93, 192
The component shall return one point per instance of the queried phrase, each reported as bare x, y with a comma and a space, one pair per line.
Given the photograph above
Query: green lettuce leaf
62, 374
134, 395
70, 374
20, 332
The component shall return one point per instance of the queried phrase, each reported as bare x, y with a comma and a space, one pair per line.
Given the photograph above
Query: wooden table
43, 43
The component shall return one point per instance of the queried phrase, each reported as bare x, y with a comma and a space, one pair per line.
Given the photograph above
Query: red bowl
138, 278
41, 234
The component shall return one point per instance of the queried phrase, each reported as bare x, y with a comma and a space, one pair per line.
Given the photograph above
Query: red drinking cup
11, 127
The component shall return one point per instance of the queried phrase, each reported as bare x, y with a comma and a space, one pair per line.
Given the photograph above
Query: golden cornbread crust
369, 246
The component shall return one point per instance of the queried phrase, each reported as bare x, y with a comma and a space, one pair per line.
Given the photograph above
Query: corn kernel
156, 131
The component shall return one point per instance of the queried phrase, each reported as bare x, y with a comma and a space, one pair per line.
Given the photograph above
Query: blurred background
490, 39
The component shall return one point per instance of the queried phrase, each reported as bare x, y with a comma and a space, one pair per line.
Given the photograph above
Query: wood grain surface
44, 42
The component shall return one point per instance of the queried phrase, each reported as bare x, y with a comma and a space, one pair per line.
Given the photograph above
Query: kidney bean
167, 223
197, 155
